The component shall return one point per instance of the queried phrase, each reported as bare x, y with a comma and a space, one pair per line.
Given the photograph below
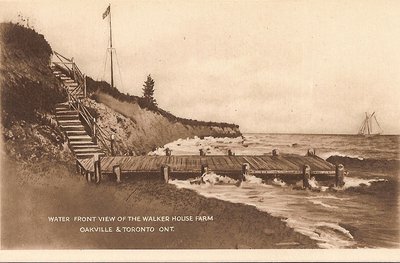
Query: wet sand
31, 192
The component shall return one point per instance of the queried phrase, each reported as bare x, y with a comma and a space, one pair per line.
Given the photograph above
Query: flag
105, 14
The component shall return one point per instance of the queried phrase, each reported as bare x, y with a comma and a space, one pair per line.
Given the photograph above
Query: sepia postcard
200, 130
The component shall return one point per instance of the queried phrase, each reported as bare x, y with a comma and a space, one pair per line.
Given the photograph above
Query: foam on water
279, 182
317, 202
357, 182
191, 146
313, 213
251, 179
272, 199
326, 155
212, 178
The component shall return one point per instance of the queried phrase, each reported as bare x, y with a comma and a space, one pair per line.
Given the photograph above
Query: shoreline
51, 188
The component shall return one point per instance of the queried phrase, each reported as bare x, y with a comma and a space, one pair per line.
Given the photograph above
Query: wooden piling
165, 173
203, 171
202, 152
97, 168
117, 172
230, 152
245, 171
168, 152
311, 152
339, 175
275, 152
89, 177
306, 176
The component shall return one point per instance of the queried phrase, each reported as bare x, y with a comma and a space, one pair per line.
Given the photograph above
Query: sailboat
367, 128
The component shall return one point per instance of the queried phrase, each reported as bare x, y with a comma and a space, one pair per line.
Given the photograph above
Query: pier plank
261, 164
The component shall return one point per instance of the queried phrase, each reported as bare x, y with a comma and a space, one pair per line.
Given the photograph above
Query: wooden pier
235, 166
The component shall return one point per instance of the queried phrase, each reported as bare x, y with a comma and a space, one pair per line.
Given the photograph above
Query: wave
357, 182
278, 182
327, 155
316, 202
253, 179
213, 178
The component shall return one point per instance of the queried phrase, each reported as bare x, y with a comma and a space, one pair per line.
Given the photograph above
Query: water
364, 213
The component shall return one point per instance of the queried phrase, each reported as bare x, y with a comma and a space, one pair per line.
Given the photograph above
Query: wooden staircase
80, 141
71, 85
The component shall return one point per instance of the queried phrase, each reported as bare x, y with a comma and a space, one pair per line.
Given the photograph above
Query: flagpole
111, 53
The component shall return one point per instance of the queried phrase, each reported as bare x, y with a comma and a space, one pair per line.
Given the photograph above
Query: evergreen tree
148, 92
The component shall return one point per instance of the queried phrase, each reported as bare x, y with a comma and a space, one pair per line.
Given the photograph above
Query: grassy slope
49, 188
27, 83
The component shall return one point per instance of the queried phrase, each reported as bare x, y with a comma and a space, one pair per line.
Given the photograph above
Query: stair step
65, 110
67, 115
62, 105
88, 145
73, 143
56, 72
87, 150
73, 127
62, 114
69, 122
76, 132
87, 155
71, 84
64, 77
79, 137
67, 81
67, 118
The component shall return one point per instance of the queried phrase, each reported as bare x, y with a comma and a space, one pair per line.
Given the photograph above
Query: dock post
230, 152
311, 152
245, 172
339, 175
97, 168
306, 176
117, 172
202, 153
165, 173
168, 152
112, 145
275, 152
88, 176
204, 171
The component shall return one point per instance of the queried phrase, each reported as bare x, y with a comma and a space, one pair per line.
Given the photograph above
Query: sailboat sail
367, 126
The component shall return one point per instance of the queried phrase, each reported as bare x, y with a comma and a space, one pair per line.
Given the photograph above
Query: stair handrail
69, 65
96, 131
98, 134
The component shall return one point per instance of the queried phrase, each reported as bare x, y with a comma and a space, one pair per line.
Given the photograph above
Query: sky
287, 66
